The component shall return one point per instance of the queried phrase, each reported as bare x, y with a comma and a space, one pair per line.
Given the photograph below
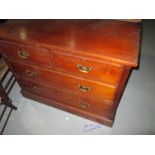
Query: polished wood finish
124, 78
100, 71
95, 117
107, 39
99, 91
38, 56
64, 97
80, 66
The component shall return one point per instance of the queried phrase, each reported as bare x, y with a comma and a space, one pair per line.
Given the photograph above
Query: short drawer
82, 87
76, 101
87, 68
26, 54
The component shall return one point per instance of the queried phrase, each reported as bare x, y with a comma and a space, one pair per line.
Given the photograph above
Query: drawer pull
31, 74
23, 54
84, 88
36, 89
84, 105
84, 69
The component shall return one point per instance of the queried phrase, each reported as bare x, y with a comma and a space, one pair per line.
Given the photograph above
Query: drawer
87, 68
82, 87
76, 101
26, 54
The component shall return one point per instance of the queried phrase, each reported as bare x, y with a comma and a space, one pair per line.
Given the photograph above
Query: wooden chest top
112, 40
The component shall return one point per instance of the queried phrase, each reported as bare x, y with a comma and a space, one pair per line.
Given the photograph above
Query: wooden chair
7, 81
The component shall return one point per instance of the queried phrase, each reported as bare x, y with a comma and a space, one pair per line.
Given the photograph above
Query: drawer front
81, 103
26, 54
89, 69
76, 85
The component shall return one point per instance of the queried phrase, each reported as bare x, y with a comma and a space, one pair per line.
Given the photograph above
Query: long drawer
82, 87
27, 54
99, 108
88, 68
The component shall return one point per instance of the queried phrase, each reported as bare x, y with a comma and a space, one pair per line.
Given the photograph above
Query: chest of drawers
80, 66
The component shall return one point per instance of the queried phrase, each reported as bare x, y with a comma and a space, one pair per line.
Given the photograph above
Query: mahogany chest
80, 66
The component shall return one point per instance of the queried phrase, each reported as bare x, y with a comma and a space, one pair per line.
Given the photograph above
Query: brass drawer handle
84, 105
23, 54
31, 74
84, 88
84, 69
36, 89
